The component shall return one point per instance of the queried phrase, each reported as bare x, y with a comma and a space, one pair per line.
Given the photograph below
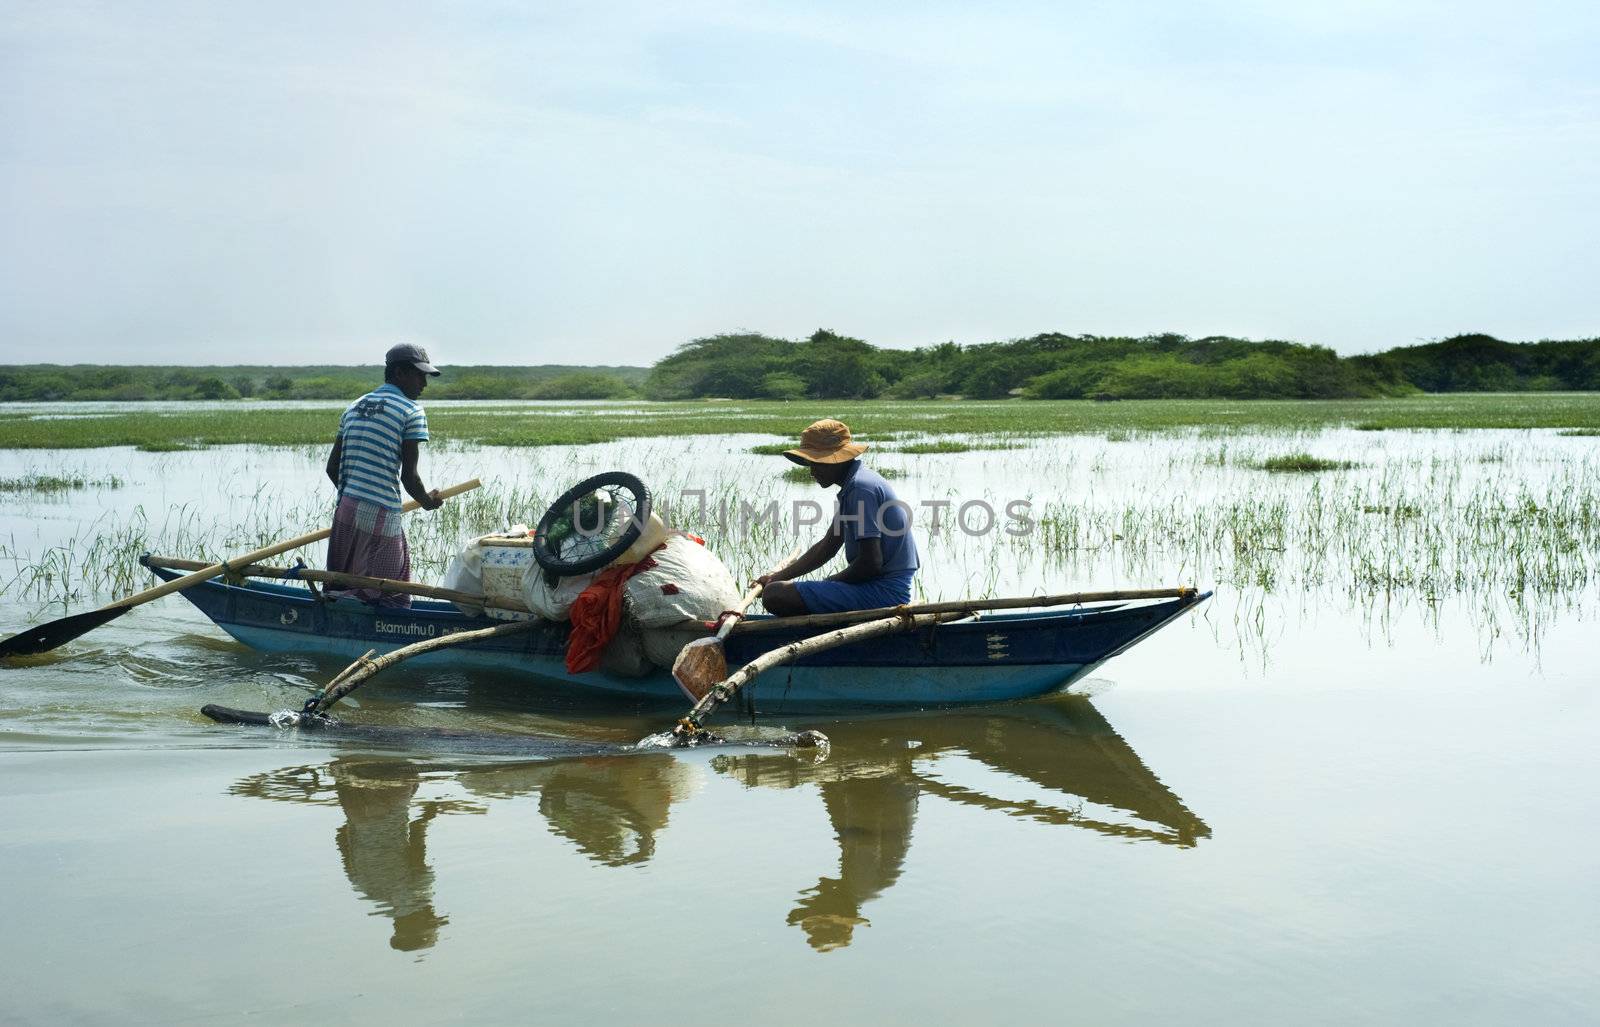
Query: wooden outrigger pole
362, 670
963, 606
388, 586
690, 728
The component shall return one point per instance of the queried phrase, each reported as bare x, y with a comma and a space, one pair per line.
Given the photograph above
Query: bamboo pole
362, 670
690, 725
338, 578
818, 620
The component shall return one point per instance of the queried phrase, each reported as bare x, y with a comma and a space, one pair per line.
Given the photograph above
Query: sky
597, 183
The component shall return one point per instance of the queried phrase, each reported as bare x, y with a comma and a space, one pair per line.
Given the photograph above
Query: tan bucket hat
826, 442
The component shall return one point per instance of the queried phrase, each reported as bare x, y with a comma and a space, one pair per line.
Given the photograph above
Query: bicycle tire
567, 567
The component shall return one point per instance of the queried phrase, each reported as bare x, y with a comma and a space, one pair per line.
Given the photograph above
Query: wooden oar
688, 729
44, 637
702, 663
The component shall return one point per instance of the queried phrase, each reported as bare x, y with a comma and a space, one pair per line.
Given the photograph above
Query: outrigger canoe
983, 658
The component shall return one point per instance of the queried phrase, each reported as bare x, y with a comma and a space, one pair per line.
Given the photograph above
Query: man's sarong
367, 539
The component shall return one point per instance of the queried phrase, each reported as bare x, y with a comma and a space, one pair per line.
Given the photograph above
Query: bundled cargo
650, 589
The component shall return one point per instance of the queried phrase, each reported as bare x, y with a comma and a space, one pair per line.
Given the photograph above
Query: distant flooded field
1354, 785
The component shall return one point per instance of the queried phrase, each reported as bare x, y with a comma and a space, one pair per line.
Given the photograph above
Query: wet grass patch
165, 446
1303, 463
952, 446
1581, 432
58, 483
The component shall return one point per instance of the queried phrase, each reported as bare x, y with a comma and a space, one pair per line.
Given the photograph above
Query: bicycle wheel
592, 524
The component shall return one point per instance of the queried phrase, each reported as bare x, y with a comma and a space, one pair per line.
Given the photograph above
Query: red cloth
597, 614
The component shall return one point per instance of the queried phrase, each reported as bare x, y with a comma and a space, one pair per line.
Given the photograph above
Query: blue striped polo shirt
370, 432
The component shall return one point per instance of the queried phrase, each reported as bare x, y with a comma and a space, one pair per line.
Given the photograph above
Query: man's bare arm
808, 561
409, 449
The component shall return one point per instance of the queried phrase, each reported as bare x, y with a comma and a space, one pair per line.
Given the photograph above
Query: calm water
1302, 804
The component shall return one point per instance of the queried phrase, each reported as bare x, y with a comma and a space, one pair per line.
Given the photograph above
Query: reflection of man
610, 808
872, 817
385, 851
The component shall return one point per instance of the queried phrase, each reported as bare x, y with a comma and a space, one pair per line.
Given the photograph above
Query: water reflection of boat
883, 768
1054, 763
988, 658
382, 846
609, 808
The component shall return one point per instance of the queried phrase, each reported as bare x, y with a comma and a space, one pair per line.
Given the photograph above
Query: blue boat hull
981, 660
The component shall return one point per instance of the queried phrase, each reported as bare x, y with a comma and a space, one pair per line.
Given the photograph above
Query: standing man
376, 453
870, 523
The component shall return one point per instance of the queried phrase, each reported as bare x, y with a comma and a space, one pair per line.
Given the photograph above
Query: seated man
869, 522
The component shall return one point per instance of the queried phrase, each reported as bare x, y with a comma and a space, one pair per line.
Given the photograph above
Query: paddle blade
41, 638
699, 665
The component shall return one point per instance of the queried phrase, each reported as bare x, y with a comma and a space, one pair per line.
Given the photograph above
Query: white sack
553, 603
465, 574
687, 583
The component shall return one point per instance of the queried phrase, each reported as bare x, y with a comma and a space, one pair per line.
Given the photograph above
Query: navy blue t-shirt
868, 508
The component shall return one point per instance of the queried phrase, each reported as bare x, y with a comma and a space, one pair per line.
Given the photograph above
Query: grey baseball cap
416, 356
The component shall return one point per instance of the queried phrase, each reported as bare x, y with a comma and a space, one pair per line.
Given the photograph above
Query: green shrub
582, 385
783, 385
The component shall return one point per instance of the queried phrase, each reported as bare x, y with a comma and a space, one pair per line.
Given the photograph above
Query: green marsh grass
35, 482
1426, 517
265, 424
1303, 463
953, 446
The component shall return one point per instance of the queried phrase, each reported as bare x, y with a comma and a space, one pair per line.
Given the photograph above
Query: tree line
1055, 366
831, 366
82, 382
